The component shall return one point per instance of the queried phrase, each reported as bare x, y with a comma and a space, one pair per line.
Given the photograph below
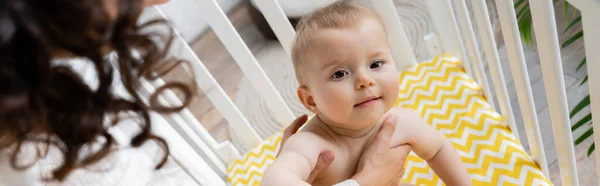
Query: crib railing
455, 35
510, 31
590, 12
550, 59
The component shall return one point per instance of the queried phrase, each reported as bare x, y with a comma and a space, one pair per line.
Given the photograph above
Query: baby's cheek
391, 91
332, 104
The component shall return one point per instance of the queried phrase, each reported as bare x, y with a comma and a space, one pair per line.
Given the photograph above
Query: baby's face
350, 75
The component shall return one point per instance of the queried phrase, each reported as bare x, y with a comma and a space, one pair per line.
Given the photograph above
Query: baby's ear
307, 99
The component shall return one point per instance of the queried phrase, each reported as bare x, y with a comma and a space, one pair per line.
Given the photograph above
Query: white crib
205, 160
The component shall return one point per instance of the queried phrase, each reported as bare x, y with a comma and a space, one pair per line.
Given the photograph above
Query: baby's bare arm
298, 158
449, 167
412, 129
431, 145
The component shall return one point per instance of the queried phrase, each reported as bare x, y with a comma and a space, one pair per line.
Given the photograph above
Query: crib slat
279, 23
243, 57
184, 155
590, 13
218, 96
182, 127
542, 12
489, 47
187, 152
446, 27
508, 22
402, 52
169, 98
205, 81
474, 55
182, 150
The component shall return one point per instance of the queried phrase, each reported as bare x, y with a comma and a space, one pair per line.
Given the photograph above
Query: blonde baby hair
341, 14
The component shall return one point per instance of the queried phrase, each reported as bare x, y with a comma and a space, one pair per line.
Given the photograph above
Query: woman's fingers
380, 164
325, 159
292, 129
387, 127
401, 152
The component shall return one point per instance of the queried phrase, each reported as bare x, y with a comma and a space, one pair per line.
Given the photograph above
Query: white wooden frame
508, 21
590, 12
451, 30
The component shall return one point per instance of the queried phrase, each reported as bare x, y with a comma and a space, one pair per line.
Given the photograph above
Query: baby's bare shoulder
407, 117
306, 140
410, 127
405, 112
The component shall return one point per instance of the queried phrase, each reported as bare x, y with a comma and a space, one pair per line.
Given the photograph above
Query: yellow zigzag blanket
448, 99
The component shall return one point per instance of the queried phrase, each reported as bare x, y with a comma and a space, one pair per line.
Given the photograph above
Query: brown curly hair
52, 105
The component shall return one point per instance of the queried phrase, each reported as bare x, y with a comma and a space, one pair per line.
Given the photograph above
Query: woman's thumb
389, 122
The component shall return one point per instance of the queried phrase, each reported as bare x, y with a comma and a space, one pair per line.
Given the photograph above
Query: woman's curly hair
52, 105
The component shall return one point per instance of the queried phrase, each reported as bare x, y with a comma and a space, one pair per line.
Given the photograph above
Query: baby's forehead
347, 41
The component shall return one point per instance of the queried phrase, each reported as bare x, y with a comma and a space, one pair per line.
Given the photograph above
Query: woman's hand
325, 158
380, 164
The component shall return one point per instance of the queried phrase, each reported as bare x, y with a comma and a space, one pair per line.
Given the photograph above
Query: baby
348, 79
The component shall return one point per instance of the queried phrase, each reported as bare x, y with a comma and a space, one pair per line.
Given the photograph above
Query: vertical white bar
279, 23
401, 49
489, 47
474, 55
194, 141
516, 58
181, 50
181, 150
444, 21
591, 25
544, 25
190, 126
184, 154
243, 57
217, 95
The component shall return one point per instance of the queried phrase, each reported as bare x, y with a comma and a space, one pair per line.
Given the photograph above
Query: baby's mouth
367, 101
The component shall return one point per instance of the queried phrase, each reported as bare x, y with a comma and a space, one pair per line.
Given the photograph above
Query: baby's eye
377, 64
339, 74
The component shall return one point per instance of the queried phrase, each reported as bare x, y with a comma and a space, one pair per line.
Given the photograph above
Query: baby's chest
343, 167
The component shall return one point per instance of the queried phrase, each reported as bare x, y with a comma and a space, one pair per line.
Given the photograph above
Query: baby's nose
364, 81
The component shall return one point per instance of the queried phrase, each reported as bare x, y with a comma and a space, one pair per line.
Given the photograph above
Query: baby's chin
368, 121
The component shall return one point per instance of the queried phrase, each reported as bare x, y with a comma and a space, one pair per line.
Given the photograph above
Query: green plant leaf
523, 11
584, 136
581, 64
519, 4
582, 104
581, 122
572, 39
584, 80
525, 28
524, 21
591, 149
573, 23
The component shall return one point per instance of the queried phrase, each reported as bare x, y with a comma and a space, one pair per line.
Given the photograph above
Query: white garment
126, 167
348, 182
